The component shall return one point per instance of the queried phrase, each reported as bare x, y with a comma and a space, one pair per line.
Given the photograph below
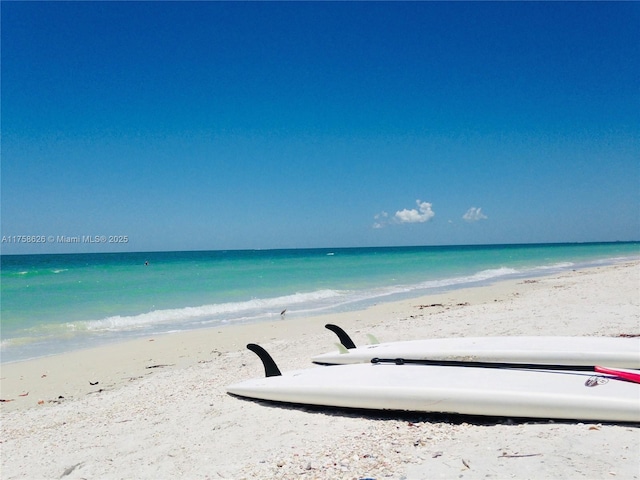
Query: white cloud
424, 213
380, 220
474, 214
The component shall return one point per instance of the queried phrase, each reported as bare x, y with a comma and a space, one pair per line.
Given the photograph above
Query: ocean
51, 304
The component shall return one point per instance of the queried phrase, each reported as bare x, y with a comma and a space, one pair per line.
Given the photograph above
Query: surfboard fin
342, 335
270, 367
372, 340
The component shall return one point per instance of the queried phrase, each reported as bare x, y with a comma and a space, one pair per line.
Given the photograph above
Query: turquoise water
55, 303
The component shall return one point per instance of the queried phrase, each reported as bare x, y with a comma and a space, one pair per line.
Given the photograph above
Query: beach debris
161, 365
283, 312
23, 394
5, 400
517, 455
93, 383
431, 305
40, 402
71, 469
465, 463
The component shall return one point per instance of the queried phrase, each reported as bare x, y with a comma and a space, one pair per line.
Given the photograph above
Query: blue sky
213, 125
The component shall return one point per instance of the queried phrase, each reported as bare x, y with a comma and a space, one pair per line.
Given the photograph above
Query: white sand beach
157, 408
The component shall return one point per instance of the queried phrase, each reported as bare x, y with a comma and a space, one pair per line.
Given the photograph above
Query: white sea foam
494, 273
555, 266
482, 276
222, 313
265, 308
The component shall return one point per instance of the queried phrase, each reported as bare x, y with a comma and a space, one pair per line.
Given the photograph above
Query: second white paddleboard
533, 350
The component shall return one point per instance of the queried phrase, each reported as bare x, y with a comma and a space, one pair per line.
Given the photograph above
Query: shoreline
159, 386
69, 332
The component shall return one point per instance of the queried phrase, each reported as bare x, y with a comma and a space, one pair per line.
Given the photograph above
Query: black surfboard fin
345, 339
270, 367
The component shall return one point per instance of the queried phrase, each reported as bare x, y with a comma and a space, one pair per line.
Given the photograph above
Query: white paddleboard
459, 390
561, 352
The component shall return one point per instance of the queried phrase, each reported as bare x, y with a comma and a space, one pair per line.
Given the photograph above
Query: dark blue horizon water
52, 303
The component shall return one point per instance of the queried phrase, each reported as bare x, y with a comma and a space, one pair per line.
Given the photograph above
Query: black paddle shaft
462, 363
